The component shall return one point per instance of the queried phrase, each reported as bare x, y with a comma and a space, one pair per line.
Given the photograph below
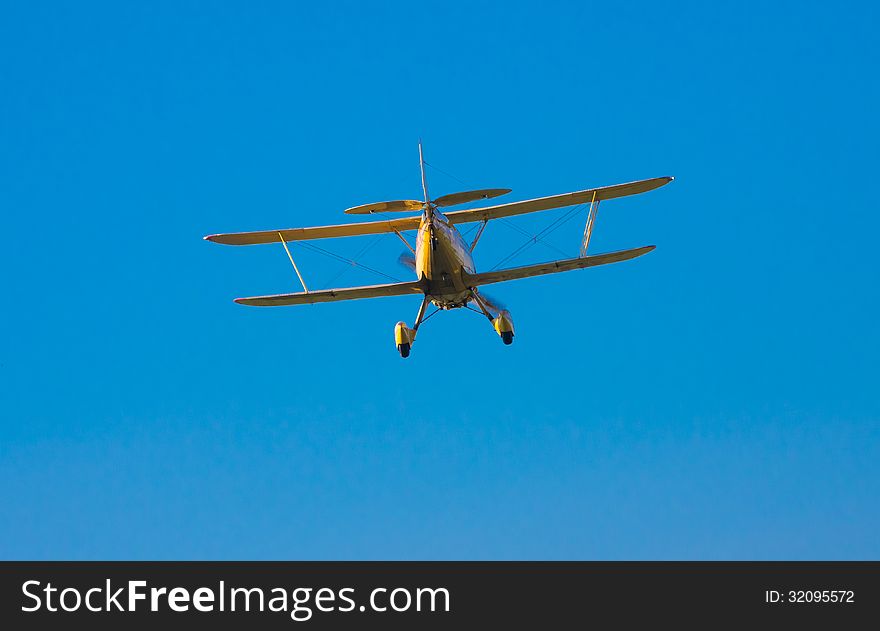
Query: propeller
495, 306
407, 260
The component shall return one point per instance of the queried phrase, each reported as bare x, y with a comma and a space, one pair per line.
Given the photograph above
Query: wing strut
479, 234
405, 242
588, 228
292, 262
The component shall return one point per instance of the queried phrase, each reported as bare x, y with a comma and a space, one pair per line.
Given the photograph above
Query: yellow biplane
441, 259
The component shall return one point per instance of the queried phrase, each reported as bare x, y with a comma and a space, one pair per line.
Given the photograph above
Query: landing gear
405, 336
502, 323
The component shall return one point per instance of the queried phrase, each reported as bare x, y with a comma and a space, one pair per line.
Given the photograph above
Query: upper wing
455, 217
317, 232
333, 295
486, 278
556, 201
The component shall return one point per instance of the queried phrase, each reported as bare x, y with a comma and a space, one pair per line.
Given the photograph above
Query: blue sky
716, 399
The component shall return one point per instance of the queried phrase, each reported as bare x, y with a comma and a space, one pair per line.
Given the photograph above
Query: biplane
440, 257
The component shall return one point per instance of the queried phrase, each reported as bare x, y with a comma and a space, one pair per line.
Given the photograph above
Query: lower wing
333, 295
417, 287
553, 267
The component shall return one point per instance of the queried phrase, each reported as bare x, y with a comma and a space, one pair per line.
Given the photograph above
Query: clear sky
715, 399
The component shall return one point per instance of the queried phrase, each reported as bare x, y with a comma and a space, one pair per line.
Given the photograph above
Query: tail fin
424, 179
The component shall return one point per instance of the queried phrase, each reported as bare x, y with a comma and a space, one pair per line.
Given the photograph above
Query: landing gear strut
502, 323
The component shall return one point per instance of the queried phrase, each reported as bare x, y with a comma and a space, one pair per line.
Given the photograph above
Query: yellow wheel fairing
503, 323
403, 334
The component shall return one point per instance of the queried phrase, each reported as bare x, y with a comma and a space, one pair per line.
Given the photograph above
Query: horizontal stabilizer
553, 267
396, 206
333, 295
469, 196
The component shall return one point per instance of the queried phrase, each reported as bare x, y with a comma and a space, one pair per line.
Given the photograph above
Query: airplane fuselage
441, 256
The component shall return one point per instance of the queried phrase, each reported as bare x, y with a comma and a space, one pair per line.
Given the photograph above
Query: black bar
511, 594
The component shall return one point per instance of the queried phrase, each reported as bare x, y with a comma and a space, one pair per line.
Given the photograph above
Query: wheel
507, 337
404, 350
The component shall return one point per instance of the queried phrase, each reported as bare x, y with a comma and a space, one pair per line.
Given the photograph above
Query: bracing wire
352, 262
527, 234
459, 180
477, 311
360, 253
430, 315
321, 250
532, 238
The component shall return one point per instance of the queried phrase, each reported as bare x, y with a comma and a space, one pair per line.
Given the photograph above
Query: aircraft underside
442, 260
